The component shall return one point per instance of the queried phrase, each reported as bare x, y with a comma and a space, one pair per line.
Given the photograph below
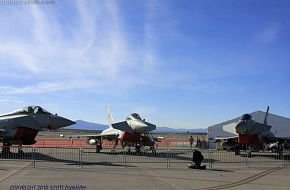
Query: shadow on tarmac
43, 157
273, 155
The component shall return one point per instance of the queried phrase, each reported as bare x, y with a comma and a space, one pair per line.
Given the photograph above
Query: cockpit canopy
246, 117
31, 110
134, 116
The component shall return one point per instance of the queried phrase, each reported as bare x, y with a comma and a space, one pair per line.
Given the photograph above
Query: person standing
190, 141
197, 142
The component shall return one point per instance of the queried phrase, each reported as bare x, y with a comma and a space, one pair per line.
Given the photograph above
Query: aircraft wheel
274, 149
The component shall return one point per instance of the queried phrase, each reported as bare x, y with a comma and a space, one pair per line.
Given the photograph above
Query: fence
68, 157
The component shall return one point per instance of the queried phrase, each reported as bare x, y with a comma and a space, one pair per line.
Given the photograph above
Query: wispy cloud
44, 87
94, 46
8, 100
156, 19
94, 49
269, 33
97, 49
19, 57
145, 111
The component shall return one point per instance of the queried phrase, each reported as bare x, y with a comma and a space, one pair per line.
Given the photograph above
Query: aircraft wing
79, 135
109, 136
19, 121
259, 128
283, 138
151, 127
217, 139
276, 138
4, 123
225, 138
122, 126
2, 131
94, 136
105, 134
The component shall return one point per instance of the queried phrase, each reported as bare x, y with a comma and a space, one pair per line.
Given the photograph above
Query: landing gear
250, 152
152, 148
138, 148
6, 147
99, 146
20, 151
116, 143
280, 149
148, 140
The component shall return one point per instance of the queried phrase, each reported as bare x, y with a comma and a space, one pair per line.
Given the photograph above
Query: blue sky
186, 63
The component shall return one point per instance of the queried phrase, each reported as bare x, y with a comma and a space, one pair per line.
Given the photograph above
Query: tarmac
83, 169
20, 175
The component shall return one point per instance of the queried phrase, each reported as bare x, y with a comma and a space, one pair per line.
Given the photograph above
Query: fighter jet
251, 133
21, 126
134, 131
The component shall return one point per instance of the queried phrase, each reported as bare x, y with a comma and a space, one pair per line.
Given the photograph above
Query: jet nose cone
58, 122
142, 126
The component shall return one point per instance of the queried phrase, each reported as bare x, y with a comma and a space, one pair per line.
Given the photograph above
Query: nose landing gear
6, 148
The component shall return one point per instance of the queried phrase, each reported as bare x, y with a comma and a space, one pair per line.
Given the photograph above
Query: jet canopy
246, 117
134, 116
31, 110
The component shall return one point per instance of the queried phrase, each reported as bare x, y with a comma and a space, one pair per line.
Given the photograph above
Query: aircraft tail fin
110, 117
266, 116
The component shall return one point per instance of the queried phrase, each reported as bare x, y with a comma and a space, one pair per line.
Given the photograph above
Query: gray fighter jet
251, 133
21, 126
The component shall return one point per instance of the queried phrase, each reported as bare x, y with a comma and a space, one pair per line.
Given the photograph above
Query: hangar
280, 126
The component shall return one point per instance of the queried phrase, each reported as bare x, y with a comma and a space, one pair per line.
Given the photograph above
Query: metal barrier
68, 157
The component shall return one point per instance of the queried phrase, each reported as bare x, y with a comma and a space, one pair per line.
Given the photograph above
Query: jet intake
242, 127
28, 142
22, 142
25, 134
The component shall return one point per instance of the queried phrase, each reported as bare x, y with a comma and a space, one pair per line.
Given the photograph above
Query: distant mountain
84, 125
180, 130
